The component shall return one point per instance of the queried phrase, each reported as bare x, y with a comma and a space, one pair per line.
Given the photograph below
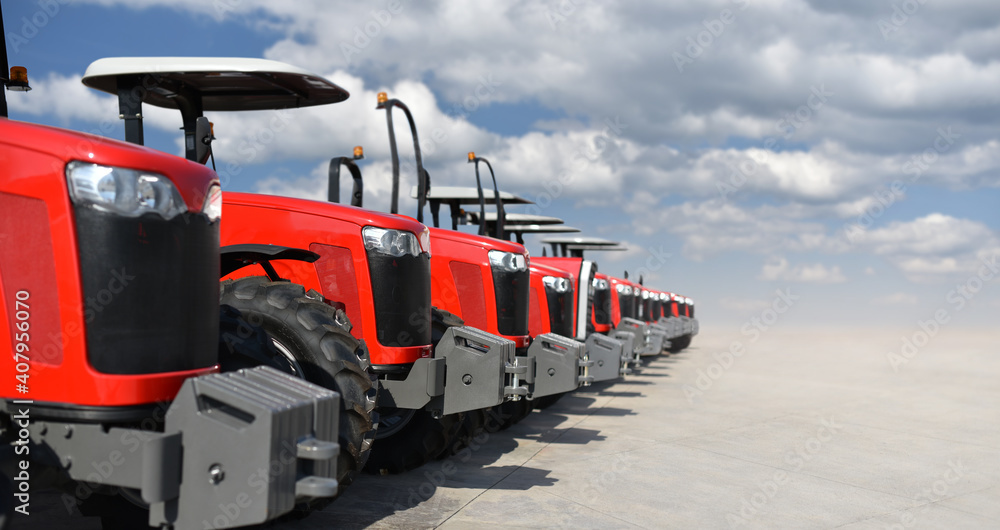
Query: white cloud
932, 234
932, 248
597, 61
777, 269
712, 227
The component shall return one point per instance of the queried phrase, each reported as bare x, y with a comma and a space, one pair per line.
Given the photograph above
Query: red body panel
616, 308
451, 247
334, 232
43, 261
539, 319
570, 266
581, 289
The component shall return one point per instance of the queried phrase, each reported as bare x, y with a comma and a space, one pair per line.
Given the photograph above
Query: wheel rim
294, 368
393, 421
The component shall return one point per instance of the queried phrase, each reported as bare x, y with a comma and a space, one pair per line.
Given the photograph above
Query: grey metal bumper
631, 343
470, 370
649, 343
673, 325
608, 356
238, 449
656, 342
555, 364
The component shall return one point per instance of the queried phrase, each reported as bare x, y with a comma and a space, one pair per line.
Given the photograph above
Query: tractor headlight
664, 297
559, 285
395, 243
600, 285
645, 295
213, 203
624, 289
508, 261
126, 192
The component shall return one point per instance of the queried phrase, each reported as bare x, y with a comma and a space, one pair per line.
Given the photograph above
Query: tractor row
183, 357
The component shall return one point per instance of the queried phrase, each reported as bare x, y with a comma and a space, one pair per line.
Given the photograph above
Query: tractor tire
680, 343
473, 421
307, 338
512, 412
409, 439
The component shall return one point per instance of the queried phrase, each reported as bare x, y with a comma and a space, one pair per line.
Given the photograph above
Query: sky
838, 161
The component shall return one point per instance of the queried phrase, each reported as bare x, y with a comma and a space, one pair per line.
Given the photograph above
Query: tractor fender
235, 257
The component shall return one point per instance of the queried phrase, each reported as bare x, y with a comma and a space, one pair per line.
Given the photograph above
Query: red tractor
108, 279
570, 311
684, 311
622, 306
371, 272
485, 282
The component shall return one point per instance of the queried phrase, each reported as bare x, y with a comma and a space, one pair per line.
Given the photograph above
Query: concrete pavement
800, 428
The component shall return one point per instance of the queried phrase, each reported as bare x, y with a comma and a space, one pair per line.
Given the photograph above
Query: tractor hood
359, 216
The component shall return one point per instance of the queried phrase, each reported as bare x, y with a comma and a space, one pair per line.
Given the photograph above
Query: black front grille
626, 304
402, 290
511, 289
151, 291
560, 312
602, 306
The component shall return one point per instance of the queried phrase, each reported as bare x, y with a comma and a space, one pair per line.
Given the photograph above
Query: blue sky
630, 121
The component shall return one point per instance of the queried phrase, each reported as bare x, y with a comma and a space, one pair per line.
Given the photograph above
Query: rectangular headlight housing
126, 192
396, 243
